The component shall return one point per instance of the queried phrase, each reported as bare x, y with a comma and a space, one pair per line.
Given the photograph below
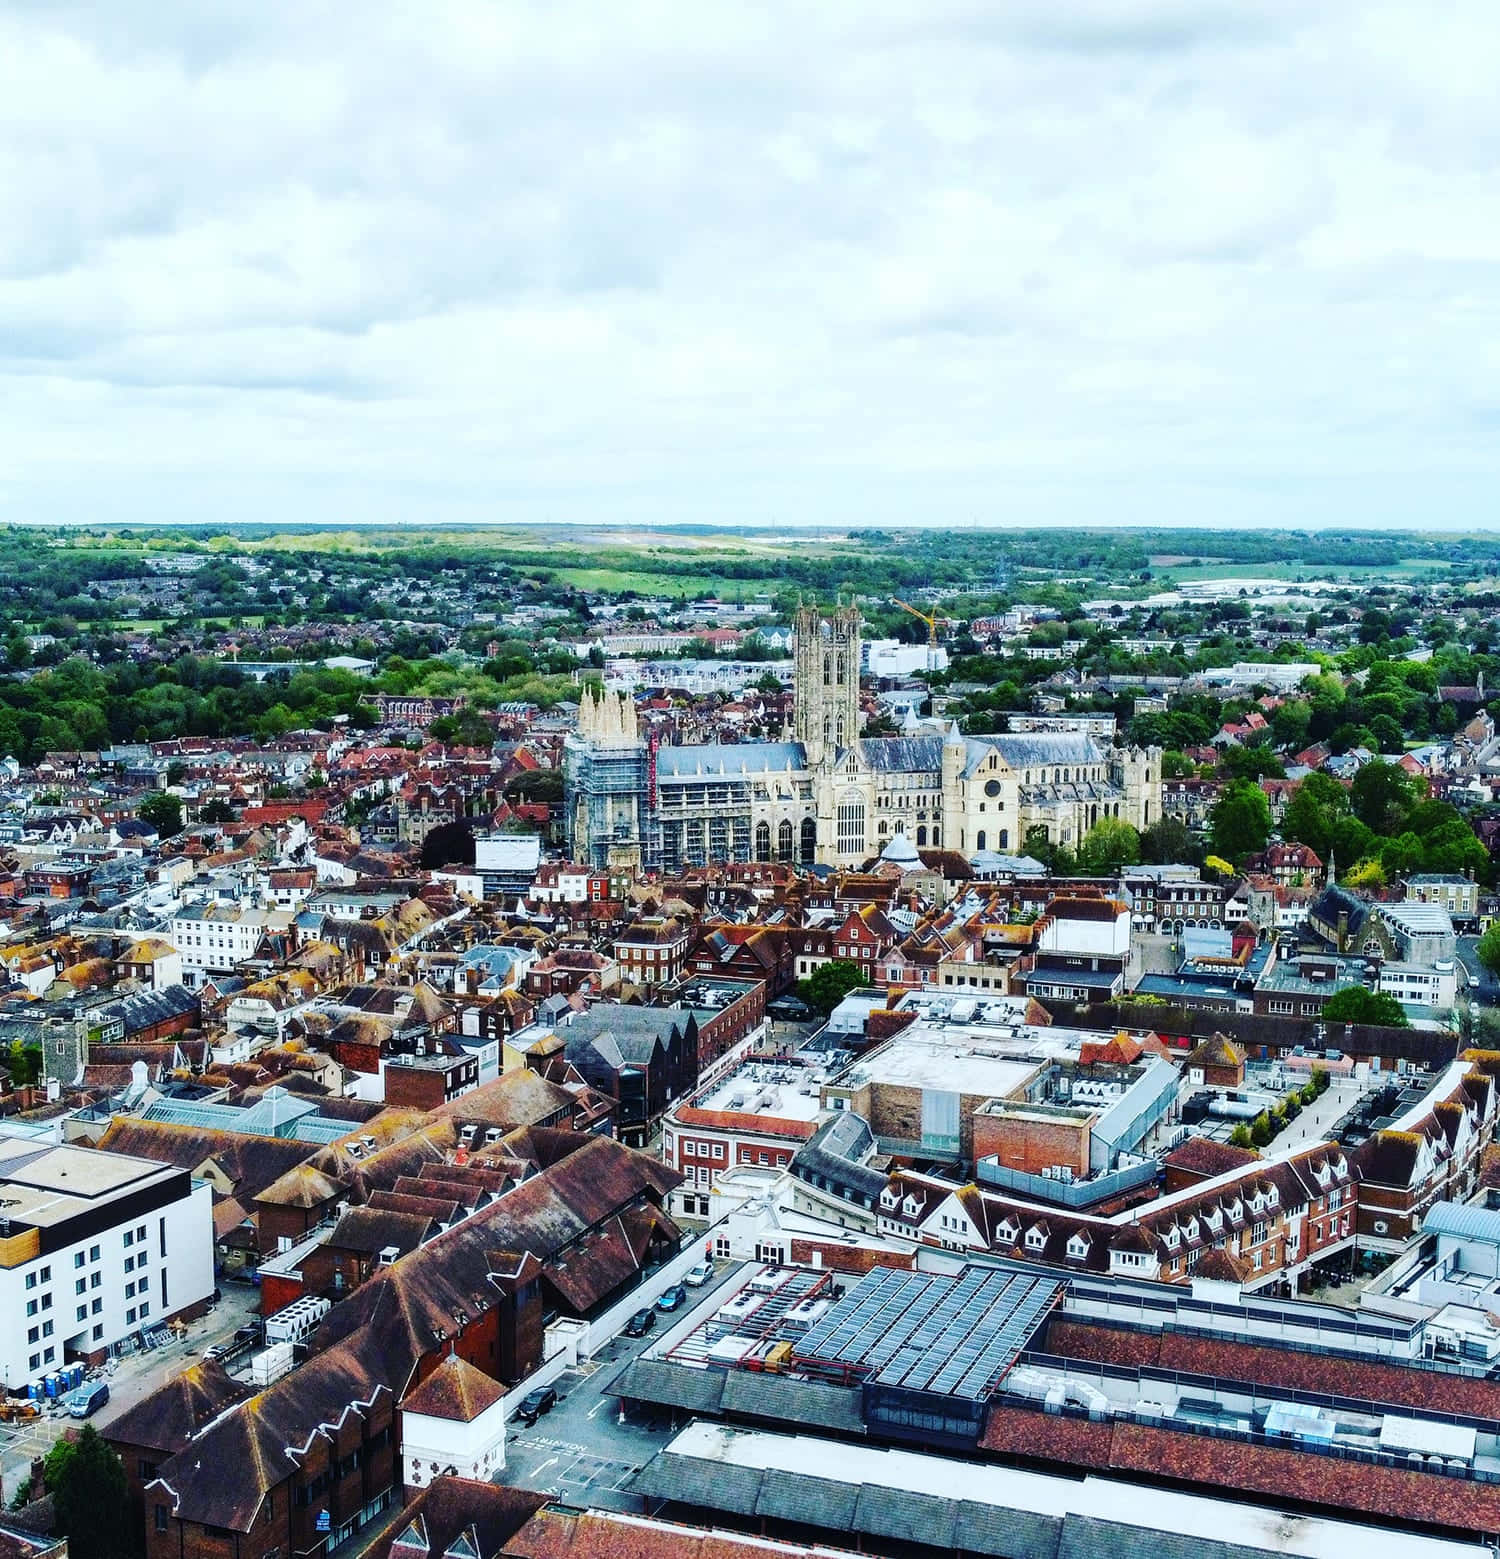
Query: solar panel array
951, 1336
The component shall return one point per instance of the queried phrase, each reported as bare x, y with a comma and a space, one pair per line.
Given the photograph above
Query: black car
673, 1299
788, 1009
640, 1323
249, 1333
535, 1403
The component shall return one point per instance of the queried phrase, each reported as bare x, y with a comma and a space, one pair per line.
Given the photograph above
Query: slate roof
167, 1419
711, 758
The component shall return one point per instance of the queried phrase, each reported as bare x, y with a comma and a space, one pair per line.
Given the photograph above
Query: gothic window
921, 836
784, 840
840, 737
827, 728
851, 826
841, 669
762, 841
979, 840
809, 840
1004, 838
828, 671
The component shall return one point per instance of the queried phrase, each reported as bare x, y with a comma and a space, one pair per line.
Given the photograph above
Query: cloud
949, 262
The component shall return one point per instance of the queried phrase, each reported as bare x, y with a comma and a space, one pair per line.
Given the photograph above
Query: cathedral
826, 795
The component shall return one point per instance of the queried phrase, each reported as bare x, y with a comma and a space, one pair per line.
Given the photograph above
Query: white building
454, 1423
218, 938
93, 1248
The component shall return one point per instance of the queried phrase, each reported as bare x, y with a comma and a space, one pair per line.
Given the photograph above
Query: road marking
550, 1462
602, 1402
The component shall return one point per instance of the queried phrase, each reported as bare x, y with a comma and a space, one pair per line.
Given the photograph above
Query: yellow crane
930, 621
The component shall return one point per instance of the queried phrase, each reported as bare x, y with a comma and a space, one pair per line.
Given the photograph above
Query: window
145, 1311
36, 1361
94, 1280
31, 1280
98, 1333
83, 1313
33, 1334
93, 1253
49, 1355
1258, 1231
46, 1328
161, 1518
77, 1258
130, 1317
46, 1274
80, 1286
31, 1307
96, 1307
129, 1238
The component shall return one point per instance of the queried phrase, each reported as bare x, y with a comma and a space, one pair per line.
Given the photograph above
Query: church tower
826, 689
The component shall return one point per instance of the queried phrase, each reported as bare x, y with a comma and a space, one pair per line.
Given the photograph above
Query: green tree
1488, 950
1354, 1004
1240, 822
829, 984
1170, 841
1110, 844
163, 812
216, 811
1381, 797
87, 1483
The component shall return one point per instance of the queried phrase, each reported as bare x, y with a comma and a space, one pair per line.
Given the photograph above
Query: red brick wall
1032, 1145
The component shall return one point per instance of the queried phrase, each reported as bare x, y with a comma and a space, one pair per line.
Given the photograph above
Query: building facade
826, 796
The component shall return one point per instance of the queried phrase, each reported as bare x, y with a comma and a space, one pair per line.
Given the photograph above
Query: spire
954, 737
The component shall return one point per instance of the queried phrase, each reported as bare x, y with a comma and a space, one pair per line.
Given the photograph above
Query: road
1482, 985
585, 1445
136, 1376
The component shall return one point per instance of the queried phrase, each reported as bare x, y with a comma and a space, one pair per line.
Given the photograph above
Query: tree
163, 812
449, 844
1488, 950
829, 984
1240, 822
87, 1483
216, 810
1110, 844
1354, 1004
1381, 797
1169, 841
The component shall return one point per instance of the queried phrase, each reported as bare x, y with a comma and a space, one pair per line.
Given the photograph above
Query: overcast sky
1009, 261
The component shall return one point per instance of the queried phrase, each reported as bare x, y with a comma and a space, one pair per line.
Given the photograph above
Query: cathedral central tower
826, 688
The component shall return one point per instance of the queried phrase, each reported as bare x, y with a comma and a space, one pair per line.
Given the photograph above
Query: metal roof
1464, 1220
953, 1336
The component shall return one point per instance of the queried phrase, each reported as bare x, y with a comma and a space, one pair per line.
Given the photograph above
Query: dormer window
1214, 1219
1236, 1210
1170, 1237
911, 1207
889, 1198
1191, 1228
1036, 1237
1078, 1247
1008, 1231
1273, 1197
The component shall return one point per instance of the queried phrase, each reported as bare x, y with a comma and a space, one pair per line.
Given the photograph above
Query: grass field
1411, 568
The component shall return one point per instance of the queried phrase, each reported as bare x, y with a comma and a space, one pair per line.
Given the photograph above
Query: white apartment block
217, 938
94, 1247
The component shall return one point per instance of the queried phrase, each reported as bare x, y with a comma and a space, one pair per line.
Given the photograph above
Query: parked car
696, 1277
87, 1400
247, 1333
674, 1298
788, 1009
535, 1403
640, 1323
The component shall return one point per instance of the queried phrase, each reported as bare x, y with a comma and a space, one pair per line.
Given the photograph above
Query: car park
696, 1277
640, 1323
535, 1403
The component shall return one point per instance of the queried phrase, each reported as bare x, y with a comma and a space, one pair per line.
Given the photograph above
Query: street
585, 1443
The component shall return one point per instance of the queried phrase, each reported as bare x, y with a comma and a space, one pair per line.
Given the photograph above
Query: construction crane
930, 621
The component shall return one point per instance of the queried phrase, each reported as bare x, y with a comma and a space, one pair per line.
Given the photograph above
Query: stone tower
826, 690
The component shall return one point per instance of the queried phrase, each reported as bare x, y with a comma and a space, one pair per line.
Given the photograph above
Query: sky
1029, 263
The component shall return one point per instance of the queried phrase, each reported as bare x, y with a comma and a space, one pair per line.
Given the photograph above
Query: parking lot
586, 1443
135, 1376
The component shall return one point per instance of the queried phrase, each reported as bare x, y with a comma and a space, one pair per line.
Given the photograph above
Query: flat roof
1212, 1521
955, 1061
49, 1188
759, 1088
